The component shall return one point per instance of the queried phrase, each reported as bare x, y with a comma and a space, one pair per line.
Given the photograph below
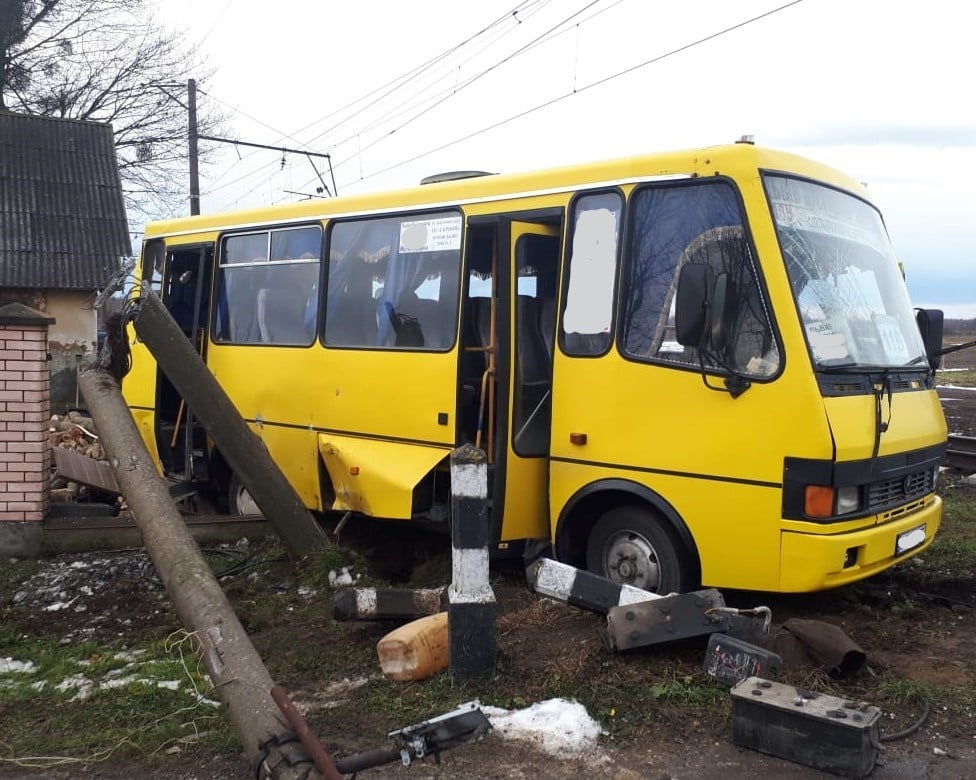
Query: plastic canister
416, 650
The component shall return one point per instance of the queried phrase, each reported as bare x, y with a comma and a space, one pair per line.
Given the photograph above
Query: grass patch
14, 573
86, 703
957, 378
951, 554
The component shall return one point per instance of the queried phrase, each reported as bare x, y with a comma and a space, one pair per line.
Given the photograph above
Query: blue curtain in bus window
359, 254
398, 295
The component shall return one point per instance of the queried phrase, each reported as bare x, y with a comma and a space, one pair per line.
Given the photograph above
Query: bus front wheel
239, 501
629, 545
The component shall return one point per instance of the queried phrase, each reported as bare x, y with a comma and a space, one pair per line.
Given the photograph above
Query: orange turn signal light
354, 470
818, 501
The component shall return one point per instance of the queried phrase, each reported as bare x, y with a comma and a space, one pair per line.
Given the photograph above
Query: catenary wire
559, 98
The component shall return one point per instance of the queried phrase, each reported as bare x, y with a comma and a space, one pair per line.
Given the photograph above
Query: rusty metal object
320, 757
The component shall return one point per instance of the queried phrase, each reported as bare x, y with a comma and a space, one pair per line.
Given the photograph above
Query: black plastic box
731, 660
824, 732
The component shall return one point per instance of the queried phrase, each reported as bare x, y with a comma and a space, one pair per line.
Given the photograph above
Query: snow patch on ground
558, 726
10, 666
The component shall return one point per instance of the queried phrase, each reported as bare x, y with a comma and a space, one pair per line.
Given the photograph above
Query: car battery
731, 660
825, 732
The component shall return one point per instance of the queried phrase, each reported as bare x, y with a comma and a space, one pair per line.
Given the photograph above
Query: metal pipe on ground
244, 452
237, 671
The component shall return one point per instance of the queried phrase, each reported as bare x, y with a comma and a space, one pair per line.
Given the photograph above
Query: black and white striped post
387, 603
580, 588
471, 601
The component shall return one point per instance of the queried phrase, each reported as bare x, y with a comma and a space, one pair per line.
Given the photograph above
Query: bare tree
109, 61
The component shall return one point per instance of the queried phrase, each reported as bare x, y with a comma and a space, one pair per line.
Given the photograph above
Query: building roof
62, 217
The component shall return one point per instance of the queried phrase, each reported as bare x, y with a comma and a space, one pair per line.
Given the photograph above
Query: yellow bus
698, 367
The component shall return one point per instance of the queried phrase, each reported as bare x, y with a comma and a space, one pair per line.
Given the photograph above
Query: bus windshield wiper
870, 368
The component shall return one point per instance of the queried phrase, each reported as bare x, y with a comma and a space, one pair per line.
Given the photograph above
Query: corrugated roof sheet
62, 217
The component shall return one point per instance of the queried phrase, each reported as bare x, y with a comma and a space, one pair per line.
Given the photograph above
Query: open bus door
181, 441
534, 258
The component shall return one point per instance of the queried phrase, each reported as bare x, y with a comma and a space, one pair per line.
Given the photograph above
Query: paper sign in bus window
430, 235
589, 300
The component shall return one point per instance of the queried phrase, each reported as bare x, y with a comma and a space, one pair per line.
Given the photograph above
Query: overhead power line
576, 91
283, 149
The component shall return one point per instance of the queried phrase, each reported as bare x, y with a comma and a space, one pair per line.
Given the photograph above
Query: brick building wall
25, 412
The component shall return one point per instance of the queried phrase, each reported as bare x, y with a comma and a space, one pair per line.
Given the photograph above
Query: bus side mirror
930, 324
701, 306
717, 310
691, 304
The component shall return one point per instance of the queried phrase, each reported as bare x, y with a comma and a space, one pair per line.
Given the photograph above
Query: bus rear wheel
239, 501
629, 545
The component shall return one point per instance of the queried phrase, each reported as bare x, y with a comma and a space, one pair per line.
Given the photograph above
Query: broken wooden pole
244, 452
580, 588
239, 676
387, 603
471, 601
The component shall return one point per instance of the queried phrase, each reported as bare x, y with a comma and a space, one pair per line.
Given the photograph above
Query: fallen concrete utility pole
244, 452
238, 674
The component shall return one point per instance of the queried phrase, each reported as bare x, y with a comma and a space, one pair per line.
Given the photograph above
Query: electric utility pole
191, 103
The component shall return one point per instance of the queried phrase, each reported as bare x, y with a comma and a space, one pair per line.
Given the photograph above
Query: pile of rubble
76, 433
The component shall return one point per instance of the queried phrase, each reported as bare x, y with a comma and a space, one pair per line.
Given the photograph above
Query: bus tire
239, 501
630, 545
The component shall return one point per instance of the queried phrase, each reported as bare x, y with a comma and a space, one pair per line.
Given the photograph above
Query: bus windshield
849, 290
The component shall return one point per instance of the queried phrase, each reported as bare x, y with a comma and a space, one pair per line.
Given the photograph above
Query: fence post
471, 601
25, 415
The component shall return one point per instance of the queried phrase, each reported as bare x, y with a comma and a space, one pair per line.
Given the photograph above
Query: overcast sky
881, 89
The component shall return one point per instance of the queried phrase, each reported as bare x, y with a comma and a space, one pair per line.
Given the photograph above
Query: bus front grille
900, 489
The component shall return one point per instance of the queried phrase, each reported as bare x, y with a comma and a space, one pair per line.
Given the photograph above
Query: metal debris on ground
668, 619
466, 723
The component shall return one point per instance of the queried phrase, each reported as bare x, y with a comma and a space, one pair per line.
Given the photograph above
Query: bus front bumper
811, 562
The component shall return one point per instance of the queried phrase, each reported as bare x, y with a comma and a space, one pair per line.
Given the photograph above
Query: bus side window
393, 282
588, 314
692, 223
267, 287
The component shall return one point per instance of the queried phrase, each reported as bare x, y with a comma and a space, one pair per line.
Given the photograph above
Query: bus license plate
910, 539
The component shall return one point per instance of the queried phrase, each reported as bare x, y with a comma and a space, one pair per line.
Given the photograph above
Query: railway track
961, 453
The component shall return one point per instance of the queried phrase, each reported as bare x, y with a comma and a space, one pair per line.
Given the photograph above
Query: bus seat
547, 323
479, 322
533, 355
281, 317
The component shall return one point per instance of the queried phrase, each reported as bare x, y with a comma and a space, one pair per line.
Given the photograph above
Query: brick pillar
25, 412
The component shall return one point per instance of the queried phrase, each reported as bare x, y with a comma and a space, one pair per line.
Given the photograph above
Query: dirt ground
535, 636
916, 625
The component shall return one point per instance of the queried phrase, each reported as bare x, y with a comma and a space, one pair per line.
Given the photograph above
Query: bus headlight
848, 500
826, 501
